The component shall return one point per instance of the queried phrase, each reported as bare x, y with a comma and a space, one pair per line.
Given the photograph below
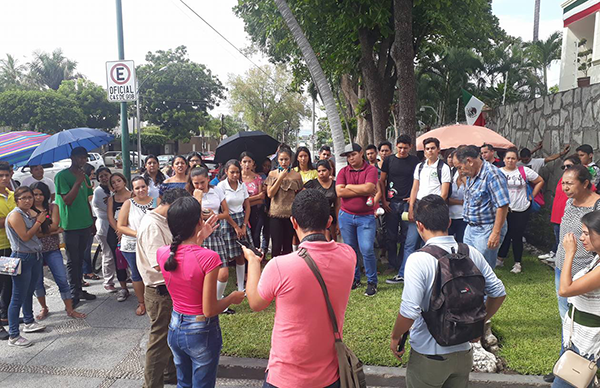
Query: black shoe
356, 284
3, 334
170, 380
549, 378
228, 311
371, 289
87, 296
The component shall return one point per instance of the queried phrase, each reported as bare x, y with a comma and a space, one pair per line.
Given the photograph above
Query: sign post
119, 74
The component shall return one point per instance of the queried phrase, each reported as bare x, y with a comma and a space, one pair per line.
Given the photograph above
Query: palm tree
317, 75
49, 70
11, 72
542, 53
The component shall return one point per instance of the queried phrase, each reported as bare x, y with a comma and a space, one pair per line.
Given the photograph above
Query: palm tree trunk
317, 74
536, 21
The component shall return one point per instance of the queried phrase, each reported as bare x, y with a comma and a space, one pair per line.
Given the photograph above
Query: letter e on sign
121, 81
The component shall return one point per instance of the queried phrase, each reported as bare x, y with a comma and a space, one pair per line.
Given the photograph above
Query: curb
254, 369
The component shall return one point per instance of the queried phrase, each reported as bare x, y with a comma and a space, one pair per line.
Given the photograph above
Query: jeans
457, 229
54, 261
86, 265
196, 348
412, 243
517, 222
159, 364
76, 242
5, 288
23, 286
135, 274
359, 233
556, 228
560, 383
477, 236
563, 305
257, 223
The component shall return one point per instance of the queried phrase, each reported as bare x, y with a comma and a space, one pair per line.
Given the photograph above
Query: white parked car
95, 159
50, 170
110, 158
164, 160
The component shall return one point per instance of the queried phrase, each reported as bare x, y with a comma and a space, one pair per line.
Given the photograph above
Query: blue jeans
359, 233
412, 243
196, 348
135, 274
54, 261
563, 305
556, 228
477, 236
560, 383
23, 286
457, 229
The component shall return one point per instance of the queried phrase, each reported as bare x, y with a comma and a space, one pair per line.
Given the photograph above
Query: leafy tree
223, 125
264, 98
11, 73
43, 111
177, 93
91, 98
153, 135
50, 69
542, 53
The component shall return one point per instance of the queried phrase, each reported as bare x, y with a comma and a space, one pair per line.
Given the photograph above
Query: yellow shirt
7, 204
307, 175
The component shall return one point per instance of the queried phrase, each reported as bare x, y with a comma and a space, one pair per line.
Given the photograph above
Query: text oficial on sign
120, 80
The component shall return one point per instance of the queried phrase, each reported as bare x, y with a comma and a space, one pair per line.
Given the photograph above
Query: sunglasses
566, 166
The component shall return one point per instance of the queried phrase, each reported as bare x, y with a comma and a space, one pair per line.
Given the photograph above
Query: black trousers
76, 242
282, 233
113, 241
257, 223
5, 288
517, 222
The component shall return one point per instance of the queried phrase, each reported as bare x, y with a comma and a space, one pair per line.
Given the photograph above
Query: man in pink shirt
302, 346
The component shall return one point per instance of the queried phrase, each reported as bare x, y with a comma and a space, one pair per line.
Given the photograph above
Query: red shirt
349, 176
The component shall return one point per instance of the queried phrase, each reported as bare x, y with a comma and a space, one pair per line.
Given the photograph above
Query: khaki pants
451, 372
159, 359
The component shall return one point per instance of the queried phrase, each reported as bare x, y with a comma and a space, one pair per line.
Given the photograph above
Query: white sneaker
33, 327
19, 342
551, 259
122, 295
547, 256
499, 263
516, 268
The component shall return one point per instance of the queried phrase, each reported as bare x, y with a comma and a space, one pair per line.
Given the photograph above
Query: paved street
104, 350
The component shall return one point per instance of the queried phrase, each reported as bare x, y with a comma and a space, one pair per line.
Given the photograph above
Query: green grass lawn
527, 325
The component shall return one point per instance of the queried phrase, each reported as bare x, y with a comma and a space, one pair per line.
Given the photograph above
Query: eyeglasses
25, 199
566, 166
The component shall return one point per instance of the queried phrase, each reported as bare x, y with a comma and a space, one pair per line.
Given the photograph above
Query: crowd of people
173, 235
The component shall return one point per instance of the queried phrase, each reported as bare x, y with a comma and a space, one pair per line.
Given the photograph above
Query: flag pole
457, 107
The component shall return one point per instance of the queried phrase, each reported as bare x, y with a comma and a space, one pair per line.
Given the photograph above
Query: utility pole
536, 21
124, 127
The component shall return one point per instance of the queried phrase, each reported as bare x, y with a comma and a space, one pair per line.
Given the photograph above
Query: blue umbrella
59, 146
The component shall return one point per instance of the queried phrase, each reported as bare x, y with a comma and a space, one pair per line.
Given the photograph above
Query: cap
79, 151
351, 148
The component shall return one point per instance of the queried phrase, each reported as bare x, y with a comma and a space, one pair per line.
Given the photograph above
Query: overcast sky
86, 31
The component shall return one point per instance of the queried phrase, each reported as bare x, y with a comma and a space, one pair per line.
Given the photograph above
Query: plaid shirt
485, 193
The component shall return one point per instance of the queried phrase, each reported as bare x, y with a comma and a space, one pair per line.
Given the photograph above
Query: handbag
572, 367
351, 370
535, 202
10, 266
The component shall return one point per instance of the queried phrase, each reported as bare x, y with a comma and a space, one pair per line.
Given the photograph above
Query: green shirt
78, 214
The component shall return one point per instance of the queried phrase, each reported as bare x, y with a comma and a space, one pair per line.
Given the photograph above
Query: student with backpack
440, 341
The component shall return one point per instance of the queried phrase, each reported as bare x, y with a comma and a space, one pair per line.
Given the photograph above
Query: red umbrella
453, 136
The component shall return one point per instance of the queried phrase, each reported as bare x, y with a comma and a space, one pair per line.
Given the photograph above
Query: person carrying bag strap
351, 370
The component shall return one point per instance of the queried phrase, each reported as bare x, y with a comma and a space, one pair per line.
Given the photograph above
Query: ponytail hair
183, 216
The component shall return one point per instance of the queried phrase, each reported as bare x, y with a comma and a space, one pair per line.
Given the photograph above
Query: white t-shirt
429, 183
457, 193
535, 164
31, 180
235, 198
212, 200
99, 209
517, 188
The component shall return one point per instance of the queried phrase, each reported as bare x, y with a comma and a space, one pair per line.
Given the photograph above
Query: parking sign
120, 80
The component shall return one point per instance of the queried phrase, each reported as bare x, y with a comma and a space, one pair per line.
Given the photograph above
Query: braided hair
183, 216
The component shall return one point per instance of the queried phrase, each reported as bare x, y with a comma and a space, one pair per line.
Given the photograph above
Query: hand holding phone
246, 244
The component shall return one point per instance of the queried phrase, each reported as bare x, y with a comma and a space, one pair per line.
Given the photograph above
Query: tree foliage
177, 93
91, 98
48, 70
266, 101
153, 135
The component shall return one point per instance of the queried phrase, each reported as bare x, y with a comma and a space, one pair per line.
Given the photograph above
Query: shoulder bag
572, 367
351, 370
10, 266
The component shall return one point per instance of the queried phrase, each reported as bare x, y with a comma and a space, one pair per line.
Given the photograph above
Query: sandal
85, 284
141, 309
91, 276
76, 314
42, 315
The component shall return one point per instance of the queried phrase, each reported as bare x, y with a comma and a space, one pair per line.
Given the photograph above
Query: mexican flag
473, 107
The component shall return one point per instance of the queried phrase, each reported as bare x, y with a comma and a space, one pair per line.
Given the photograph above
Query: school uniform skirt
230, 236
215, 242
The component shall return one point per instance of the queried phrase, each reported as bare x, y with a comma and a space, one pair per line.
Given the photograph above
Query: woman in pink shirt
190, 273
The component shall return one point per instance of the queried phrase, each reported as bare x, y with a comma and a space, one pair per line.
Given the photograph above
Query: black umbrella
258, 143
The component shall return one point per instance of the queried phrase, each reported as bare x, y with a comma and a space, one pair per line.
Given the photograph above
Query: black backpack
456, 309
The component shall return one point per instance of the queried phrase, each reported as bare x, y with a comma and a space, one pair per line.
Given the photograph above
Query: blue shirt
419, 276
485, 193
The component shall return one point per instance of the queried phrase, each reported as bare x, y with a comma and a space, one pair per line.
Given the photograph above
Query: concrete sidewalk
107, 350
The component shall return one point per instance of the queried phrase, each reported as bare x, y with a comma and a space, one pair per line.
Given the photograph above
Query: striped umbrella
16, 147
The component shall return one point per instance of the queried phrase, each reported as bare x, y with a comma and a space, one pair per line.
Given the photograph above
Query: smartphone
252, 248
402, 342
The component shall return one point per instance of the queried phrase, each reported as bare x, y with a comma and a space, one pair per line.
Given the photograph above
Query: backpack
535, 204
440, 167
456, 309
